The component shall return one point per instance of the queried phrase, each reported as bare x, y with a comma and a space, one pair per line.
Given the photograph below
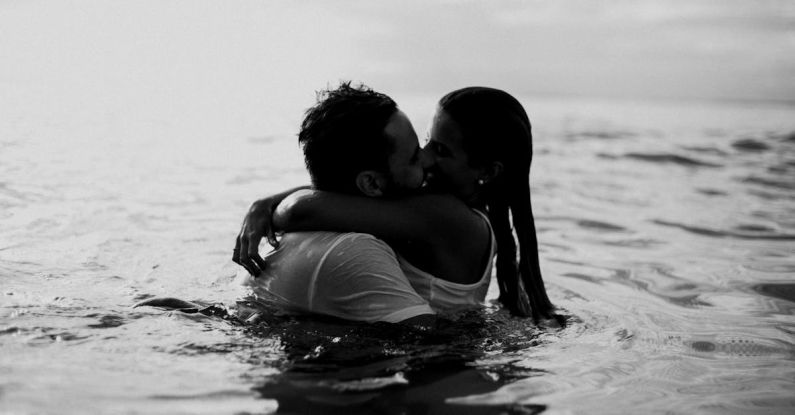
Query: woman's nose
427, 159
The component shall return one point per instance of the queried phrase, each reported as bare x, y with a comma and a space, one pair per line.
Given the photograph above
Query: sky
642, 49
223, 56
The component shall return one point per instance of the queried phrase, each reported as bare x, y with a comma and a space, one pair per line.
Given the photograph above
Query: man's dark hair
343, 135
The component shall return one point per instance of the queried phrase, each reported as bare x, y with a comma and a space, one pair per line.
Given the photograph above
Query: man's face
407, 161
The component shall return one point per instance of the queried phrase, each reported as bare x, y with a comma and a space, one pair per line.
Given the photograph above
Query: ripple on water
718, 233
600, 226
712, 192
9, 330
780, 297
687, 301
43, 336
601, 135
750, 145
671, 158
635, 243
583, 277
108, 321
739, 347
706, 150
772, 266
755, 228
770, 183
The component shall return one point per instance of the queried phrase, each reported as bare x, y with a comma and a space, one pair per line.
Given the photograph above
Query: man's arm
258, 223
421, 219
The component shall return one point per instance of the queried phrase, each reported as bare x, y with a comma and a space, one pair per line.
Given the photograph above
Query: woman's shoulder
448, 218
438, 202
444, 210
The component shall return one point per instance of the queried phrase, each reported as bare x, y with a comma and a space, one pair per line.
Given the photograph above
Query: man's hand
257, 224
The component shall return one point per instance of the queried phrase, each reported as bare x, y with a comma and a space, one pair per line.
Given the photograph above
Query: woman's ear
371, 183
492, 171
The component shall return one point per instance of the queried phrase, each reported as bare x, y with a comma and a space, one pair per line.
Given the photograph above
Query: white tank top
448, 297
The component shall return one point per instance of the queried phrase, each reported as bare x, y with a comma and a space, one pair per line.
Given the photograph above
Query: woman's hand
257, 224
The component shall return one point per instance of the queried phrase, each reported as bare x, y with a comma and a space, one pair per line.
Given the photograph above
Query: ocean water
667, 238
135, 135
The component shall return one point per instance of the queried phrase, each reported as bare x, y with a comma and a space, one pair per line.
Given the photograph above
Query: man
355, 141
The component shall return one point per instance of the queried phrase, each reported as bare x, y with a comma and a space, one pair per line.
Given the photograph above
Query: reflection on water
335, 367
666, 234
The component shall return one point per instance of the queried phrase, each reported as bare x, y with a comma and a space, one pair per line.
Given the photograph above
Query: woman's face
452, 172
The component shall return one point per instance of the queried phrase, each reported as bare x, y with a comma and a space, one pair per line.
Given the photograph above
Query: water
666, 227
667, 234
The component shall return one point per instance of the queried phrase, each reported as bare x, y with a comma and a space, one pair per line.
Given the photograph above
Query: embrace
395, 233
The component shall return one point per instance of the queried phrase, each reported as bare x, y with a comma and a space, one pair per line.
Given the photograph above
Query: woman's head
481, 139
482, 143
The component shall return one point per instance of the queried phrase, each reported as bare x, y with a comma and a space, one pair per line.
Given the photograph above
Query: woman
482, 145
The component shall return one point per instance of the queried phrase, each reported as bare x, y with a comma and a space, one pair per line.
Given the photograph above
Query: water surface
134, 136
667, 234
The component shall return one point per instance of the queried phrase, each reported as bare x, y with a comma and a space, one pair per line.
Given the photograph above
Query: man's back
353, 276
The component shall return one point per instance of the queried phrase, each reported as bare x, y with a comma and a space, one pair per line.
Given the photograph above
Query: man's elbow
293, 214
286, 217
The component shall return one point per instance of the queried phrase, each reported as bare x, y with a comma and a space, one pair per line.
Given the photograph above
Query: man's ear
492, 171
371, 183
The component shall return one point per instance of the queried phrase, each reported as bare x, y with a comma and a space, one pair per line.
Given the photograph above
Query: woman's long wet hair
496, 128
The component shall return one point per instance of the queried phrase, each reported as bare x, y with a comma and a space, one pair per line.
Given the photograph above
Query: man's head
356, 140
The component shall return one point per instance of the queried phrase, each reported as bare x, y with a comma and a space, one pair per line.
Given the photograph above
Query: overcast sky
124, 54
639, 48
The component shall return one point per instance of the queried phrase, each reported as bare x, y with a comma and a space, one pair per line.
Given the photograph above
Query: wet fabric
353, 276
448, 297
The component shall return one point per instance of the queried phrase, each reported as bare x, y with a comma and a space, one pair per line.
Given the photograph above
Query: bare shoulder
438, 206
457, 237
449, 216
